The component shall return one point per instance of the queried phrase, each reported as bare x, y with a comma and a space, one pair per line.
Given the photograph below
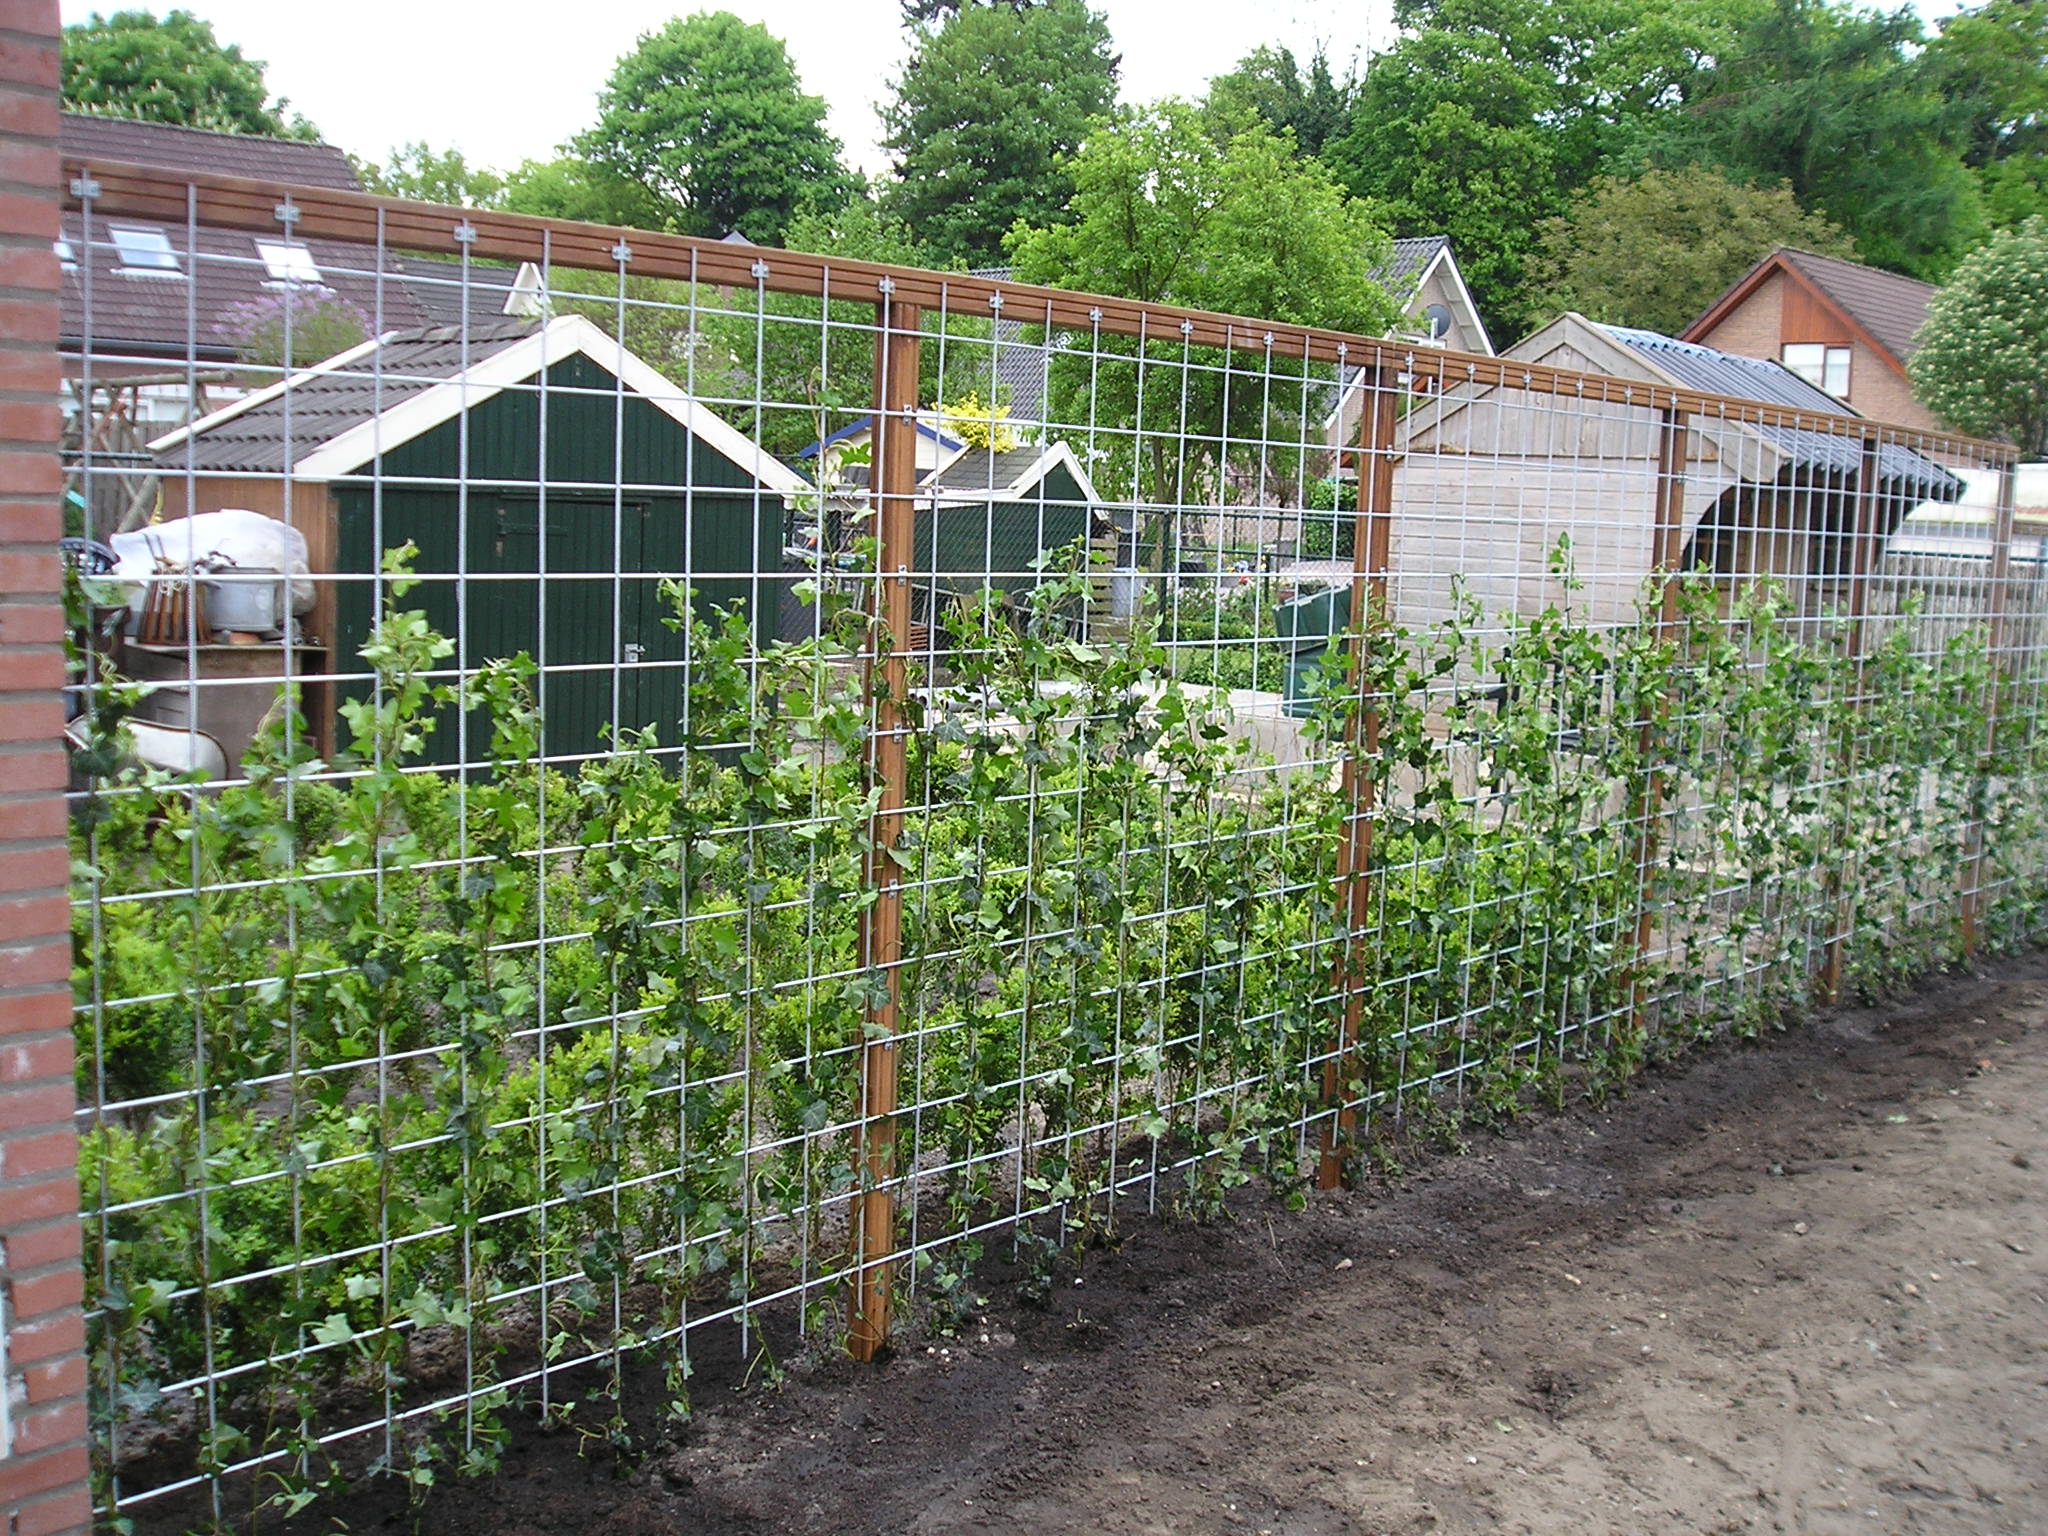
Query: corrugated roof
273, 436
88, 136
1890, 307
1749, 378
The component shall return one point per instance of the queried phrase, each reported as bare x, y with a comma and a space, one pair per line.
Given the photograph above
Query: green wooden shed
551, 481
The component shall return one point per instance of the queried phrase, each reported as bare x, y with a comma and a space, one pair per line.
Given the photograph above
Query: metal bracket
465, 233
759, 269
286, 214
622, 253
84, 187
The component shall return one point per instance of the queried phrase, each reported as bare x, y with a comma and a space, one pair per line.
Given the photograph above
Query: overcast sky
507, 80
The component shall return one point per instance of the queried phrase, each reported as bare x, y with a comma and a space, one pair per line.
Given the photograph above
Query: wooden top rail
226, 202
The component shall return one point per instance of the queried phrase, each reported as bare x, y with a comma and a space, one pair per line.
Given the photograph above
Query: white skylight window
145, 250
65, 255
288, 263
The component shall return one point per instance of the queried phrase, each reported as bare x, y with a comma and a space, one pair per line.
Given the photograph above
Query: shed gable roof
333, 420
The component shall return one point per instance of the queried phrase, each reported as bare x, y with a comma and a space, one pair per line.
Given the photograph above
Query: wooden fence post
1371, 551
1995, 599
1840, 901
894, 477
1668, 550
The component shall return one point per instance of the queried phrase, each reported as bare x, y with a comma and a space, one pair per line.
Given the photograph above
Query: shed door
601, 597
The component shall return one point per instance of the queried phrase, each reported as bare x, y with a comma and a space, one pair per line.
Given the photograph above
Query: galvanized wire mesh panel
749, 779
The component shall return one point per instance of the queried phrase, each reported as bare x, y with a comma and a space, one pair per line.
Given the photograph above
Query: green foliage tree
1655, 250
1993, 63
707, 113
171, 69
1165, 212
418, 171
993, 97
1847, 108
1312, 103
1982, 364
572, 187
1487, 114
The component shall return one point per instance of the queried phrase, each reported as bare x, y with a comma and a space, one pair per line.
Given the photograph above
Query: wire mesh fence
660, 796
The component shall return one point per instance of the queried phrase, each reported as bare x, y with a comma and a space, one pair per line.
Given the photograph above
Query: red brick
28, 320
19, 573
37, 867
29, 63
36, 1013
23, 1476
26, 421
38, 717
50, 1199
23, 918
41, 963
29, 370
38, 18
25, 472
50, 1337
29, 218
35, 1061
47, 1293
30, 522
68, 1513
26, 112
29, 164
39, 817
57, 1243
59, 1378
32, 671
40, 1104
31, 267
37, 623
41, 1429
48, 1152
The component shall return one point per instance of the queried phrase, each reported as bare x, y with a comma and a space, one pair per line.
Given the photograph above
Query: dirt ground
1797, 1287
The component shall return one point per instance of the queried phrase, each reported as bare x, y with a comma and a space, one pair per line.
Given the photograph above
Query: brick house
1843, 327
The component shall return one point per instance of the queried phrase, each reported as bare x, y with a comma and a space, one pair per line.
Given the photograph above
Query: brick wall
43, 1467
1753, 327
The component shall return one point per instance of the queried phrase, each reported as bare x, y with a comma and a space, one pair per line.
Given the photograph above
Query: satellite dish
1439, 319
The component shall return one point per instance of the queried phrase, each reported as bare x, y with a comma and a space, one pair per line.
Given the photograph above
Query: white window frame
290, 264
1823, 366
146, 250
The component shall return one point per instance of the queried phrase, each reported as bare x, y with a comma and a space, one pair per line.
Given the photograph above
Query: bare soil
1800, 1286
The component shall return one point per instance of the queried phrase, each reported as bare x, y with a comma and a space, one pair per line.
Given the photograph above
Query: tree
990, 101
709, 116
1845, 107
1655, 251
1164, 212
1488, 114
1993, 64
433, 176
571, 187
295, 327
1311, 104
1982, 365
171, 70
